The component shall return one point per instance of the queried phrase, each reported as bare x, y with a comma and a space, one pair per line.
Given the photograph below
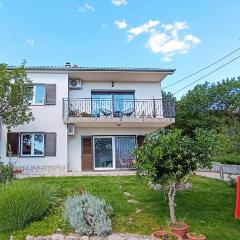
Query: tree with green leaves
168, 157
15, 92
209, 106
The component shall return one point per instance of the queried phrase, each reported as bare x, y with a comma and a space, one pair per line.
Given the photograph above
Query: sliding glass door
115, 104
113, 152
103, 153
124, 146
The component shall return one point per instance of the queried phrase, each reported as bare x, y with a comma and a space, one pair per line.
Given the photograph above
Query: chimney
67, 65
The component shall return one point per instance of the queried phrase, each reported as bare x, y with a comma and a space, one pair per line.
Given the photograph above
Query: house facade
87, 119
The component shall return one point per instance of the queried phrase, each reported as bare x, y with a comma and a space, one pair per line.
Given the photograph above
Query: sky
185, 35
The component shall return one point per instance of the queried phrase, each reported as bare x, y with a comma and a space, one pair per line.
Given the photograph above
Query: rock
38, 238
58, 237
85, 238
132, 201
47, 238
72, 237
157, 187
29, 237
116, 237
127, 194
138, 210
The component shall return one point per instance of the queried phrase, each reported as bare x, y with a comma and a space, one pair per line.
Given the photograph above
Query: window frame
32, 102
32, 144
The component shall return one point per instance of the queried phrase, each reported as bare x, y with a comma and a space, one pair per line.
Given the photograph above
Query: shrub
21, 204
7, 172
88, 215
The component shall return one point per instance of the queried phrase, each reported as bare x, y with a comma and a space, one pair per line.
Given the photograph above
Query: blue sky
185, 35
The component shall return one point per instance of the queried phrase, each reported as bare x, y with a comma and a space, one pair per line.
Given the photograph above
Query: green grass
208, 207
228, 158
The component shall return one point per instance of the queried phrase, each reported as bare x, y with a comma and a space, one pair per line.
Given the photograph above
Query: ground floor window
112, 152
32, 144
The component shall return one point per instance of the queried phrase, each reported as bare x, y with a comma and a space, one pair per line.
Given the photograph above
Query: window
32, 144
38, 94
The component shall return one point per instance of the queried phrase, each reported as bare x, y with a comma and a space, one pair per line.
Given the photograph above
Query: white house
88, 118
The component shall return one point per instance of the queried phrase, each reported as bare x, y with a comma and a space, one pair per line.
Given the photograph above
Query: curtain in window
124, 146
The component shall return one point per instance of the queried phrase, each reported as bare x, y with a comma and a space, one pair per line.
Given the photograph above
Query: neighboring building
88, 118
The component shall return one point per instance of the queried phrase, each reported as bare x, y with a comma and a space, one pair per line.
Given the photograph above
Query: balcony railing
137, 108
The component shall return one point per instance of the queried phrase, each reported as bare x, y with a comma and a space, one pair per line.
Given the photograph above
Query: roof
95, 69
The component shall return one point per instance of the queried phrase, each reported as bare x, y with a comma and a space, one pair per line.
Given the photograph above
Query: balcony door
115, 104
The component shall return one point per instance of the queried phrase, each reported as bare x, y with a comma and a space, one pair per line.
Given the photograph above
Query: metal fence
87, 107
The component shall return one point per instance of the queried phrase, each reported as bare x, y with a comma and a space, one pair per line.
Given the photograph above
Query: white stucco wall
75, 146
142, 90
48, 118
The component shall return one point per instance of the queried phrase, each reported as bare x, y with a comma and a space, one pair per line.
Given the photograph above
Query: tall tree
209, 106
15, 92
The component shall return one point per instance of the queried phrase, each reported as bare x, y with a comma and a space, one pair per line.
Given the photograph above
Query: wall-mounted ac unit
75, 84
70, 129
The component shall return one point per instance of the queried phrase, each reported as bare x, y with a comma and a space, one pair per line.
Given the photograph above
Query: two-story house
88, 118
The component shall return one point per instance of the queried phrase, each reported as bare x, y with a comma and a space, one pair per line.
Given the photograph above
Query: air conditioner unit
70, 129
75, 84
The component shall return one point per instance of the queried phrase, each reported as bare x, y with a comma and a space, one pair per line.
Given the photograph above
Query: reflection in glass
103, 153
26, 144
39, 94
38, 144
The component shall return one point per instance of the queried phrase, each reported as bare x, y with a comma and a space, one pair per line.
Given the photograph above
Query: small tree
168, 157
15, 92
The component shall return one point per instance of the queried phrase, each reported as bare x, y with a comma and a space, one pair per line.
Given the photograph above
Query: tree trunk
171, 202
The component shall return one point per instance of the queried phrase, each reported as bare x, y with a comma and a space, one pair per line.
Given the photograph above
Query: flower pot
162, 234
180, 228
192, 236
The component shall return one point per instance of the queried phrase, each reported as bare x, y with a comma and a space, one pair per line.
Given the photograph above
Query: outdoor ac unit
75, 84
70, 129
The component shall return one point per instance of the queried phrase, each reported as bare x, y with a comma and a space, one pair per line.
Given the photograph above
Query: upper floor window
38, 96
43, 94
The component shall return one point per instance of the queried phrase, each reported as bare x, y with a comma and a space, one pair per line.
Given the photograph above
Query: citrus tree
169, 157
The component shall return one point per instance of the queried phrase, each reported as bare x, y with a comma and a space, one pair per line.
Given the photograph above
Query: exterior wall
142, 90
48, 118
75, 146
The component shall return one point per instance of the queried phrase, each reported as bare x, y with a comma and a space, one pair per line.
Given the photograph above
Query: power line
219, 60
208, 74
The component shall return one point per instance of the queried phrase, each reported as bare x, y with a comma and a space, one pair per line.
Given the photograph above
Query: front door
104, 158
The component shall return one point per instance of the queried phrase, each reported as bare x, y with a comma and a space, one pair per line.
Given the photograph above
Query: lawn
208, 207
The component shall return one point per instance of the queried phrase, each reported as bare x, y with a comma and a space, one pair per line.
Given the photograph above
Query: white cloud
85, 8
166, 40
119, 2
121, 24
30, 42
191, 38
144, 28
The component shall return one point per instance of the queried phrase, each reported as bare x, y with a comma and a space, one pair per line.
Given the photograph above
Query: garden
165, 200
208, 207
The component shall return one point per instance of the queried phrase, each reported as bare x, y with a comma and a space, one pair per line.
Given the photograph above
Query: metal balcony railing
136, 108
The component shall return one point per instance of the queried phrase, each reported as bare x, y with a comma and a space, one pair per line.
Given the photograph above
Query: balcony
122, 112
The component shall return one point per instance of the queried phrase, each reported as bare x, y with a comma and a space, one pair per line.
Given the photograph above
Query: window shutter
87, 156
50, 94
50, 144
13, 143
140, 140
